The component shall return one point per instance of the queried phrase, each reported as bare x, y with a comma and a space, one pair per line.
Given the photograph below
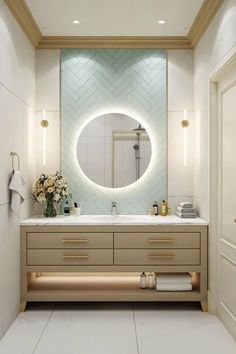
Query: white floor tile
116, 329
179, 329
24, 334
90, 329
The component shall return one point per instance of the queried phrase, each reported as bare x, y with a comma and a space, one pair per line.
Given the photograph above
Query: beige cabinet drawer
157, 257
69, 240
69, 257
157, 240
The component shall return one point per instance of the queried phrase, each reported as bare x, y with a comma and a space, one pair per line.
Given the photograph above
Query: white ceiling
114, 17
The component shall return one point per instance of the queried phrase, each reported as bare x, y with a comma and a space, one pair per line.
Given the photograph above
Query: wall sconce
44, 124
185, 125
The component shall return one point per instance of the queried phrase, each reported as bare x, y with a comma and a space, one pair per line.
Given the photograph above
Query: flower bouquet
50, 189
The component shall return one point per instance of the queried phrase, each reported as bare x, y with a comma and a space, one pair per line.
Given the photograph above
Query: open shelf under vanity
101, 287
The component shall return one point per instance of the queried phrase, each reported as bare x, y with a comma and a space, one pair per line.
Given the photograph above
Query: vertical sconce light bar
44, 125
185, 124
44, 146
185, 147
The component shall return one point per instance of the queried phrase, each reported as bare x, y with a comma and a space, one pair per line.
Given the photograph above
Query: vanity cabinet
56, 259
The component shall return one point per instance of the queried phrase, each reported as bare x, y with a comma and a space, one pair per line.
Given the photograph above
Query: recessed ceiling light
76, 22
161, 22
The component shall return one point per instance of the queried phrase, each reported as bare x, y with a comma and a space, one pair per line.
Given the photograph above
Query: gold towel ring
14, 154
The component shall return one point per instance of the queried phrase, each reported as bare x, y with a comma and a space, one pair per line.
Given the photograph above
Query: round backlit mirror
114, 150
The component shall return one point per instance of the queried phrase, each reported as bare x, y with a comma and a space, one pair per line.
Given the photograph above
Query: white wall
17, 96
180, 97
219, 38
48, 98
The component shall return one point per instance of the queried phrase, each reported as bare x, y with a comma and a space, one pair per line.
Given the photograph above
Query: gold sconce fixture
44, 123
185, 124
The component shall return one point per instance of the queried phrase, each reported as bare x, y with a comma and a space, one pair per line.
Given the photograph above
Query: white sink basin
111, 219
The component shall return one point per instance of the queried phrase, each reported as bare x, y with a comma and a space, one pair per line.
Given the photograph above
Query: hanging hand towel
16, 186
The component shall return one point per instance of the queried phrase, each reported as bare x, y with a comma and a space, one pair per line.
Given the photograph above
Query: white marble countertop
112, 220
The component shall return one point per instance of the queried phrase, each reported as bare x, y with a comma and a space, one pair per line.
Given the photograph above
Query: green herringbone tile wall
98, 81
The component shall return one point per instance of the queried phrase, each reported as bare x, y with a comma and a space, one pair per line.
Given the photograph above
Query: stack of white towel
173, 282
186, 210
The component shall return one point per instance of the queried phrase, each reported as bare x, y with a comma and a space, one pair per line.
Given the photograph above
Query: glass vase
50, 210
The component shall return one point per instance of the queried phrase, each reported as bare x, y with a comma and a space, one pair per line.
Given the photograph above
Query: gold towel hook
14, 154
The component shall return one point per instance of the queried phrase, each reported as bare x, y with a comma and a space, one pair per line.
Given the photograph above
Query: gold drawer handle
75, 241
152, 256
161, 241
84, 256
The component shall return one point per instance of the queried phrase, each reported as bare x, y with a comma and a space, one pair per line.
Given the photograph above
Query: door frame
215, 184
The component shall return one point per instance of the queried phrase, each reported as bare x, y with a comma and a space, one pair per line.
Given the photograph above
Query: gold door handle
75, 241
152, 256
81, 256
169, 240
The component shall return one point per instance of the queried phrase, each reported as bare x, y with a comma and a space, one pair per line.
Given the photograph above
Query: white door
227, 197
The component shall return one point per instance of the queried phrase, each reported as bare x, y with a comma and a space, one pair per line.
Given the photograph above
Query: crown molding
204, 17
114, 42
23, 16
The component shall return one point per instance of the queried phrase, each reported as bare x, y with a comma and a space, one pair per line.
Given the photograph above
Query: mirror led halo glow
134, 117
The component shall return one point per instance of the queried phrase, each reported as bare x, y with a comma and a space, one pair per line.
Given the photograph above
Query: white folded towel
174, 287
186, 210
17, 191
173, 278
186, 205
186, 215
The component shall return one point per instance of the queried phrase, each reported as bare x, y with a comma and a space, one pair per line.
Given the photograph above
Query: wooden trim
23, 16
57, 42
205, 15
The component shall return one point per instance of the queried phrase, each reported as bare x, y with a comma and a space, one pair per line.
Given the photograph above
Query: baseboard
8, 321
228, 318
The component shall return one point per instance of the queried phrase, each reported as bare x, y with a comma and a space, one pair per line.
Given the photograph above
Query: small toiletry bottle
163, 208
113, 210
155, 206
73, 209
143, 281
66, 209
151, 281
151, 211
77, 209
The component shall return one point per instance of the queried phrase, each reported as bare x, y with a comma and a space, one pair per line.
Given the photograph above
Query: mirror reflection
114, 150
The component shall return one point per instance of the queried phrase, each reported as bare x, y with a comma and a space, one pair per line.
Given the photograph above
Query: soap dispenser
66, 208
163, 208
113, 209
